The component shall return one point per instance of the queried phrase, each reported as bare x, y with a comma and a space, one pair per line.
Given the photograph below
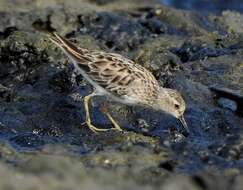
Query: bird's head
171, 102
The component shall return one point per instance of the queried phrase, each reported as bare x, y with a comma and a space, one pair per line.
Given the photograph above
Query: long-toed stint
121, 80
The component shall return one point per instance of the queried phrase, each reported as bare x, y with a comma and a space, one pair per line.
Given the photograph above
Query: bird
121, 80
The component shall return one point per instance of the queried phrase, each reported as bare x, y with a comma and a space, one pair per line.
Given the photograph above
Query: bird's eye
177, 106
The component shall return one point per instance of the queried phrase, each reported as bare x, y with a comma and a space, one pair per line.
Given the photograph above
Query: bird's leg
116, 126
87, 115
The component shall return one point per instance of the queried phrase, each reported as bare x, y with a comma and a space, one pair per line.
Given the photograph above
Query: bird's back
112, 73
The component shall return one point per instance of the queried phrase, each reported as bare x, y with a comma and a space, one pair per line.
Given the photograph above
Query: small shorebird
121, 80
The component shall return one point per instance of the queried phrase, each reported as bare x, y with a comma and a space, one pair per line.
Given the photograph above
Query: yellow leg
111, 119
113, 122
87, 117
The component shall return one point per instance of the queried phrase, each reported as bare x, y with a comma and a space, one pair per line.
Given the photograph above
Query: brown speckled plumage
121, 79
119, 76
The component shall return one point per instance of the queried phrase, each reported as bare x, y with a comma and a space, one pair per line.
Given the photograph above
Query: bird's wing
111, 71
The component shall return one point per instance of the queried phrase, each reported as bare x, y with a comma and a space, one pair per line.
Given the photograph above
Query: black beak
185, 127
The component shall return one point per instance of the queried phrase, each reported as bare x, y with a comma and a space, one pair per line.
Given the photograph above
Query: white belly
100, 91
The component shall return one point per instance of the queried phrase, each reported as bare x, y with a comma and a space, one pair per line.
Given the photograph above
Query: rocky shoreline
42, 142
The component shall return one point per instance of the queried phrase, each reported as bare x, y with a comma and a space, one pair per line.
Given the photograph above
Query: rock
102, 2
168, 165
42, 135
116, 32
7, 32
122, 33
232, 21
154, 55
234, 101
5, 93
18, 59
178, 182
227, 104
190, 52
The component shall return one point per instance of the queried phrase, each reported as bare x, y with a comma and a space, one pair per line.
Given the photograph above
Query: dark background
215, 6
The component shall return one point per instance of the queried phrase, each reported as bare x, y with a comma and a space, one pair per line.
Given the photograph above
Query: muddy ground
42, 142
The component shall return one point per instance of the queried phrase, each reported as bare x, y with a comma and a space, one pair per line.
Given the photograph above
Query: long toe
97, 130
117, 128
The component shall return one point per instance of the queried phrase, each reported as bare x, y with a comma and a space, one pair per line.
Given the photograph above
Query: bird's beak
183, 122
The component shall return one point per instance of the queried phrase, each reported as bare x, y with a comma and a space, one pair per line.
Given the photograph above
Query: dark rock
19, 60
168, 165
7, 32
200, 182
5, 93
227, 104
61, 82
154, 26
102, 2
30, 141
120, 32
115, 31
160, 61
41, 112
43, 25
191, 52
233, 96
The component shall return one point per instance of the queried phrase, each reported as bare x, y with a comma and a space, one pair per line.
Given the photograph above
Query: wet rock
191, 52
157, 27
7, 32
121, 32
180, 181
235, 99
41, 25
5, 93
102, 2
41, 109
61, 82
168, 165
154, 25
154, 55
227, 104
19, 59
186, 23
27, 141
115, 31
231, 21
217, 71
143, 124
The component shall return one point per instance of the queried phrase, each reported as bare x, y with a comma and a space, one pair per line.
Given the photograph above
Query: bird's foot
95, 129
116, 126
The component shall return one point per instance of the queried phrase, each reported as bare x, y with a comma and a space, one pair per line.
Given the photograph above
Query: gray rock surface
42, 142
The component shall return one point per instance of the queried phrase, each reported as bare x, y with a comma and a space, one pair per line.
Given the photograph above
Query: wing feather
108, 70
113, 72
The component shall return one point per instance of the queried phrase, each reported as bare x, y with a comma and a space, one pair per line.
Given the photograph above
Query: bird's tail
74, 52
